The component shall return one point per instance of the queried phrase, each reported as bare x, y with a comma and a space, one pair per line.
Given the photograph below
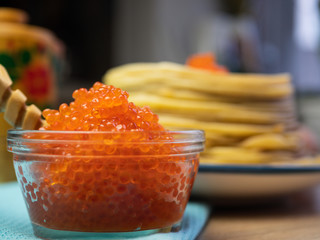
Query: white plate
253, 181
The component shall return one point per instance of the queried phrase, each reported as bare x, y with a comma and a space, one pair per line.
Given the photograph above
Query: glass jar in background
34, 59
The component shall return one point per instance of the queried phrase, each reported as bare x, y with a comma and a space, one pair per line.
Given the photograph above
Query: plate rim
257, 169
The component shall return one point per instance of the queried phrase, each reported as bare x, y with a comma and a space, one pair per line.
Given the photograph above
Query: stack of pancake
247, 118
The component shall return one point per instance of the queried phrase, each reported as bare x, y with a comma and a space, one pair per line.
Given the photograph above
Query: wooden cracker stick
5, 90
13, 104
32, 119
15, 108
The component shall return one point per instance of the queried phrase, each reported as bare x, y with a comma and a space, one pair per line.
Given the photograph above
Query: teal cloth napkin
15, 223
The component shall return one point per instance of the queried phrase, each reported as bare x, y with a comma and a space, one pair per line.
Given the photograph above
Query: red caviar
205, 61
101, 108
132, 177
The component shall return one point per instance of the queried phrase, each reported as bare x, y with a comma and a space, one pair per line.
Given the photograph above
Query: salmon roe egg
101, 108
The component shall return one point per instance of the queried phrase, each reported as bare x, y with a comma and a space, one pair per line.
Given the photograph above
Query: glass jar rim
196, 135
22, 141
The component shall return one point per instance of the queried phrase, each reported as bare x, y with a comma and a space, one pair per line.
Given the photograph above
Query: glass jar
33, 57
105, 184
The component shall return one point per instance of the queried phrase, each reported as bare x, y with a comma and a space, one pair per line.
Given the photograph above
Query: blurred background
90, 37
245, 35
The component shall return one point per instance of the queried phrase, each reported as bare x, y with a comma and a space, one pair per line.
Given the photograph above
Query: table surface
295, 217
